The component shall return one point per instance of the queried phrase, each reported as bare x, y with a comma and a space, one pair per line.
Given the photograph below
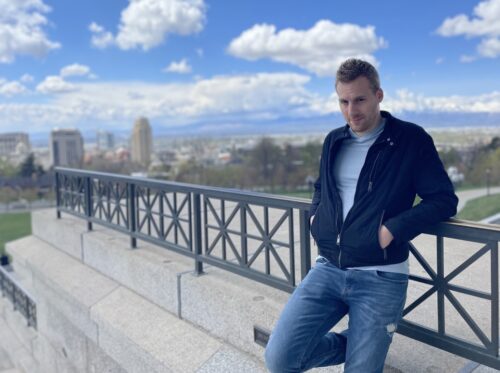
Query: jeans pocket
392, 276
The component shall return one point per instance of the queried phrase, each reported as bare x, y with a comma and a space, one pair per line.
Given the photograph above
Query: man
362, 217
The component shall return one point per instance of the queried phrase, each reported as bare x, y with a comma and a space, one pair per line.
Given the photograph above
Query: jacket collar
388, 133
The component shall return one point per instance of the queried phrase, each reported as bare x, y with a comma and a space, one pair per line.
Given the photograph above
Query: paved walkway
466, 195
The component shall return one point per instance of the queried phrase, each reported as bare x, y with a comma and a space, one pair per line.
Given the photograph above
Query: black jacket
402, 163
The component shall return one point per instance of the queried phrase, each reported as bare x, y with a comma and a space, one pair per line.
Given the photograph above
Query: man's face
360, 105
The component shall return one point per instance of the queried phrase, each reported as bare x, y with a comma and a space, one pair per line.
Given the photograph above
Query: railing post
88, 201
305, 243
243, 229
58, 194
198, 264
132, 223
441, 284
494, 299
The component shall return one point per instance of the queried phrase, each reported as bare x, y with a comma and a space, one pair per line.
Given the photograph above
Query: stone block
50, 360
150, 272
64, 234
68, 284
69, 341
229, 359
19, 251
228, 306
99, 362
143, 337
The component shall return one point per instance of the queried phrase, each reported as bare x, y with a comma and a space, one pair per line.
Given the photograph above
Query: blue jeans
302, 340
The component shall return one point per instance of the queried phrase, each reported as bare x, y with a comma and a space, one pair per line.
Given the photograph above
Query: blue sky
228, 64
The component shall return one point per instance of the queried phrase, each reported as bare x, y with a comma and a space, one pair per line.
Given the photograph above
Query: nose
351, 109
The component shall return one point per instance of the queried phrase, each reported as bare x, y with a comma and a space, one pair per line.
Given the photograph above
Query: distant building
105, 140
14, 143
141, 142
66, 148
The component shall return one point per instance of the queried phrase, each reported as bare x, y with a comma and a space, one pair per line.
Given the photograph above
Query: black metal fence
18, 296
266, 238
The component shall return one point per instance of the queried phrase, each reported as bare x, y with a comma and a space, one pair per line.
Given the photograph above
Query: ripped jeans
302, 340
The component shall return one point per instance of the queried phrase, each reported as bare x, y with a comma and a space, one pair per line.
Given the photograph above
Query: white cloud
485, 23
27, 78
467, 59
439, 60
490, 47
320, 49
146, 23
10, 89
256, 96
100, 38
181, 67
55, 84
75, 70
221, 98
200, 52
409, 101
22, 31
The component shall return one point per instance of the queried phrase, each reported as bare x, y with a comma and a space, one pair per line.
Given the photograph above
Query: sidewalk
467, 195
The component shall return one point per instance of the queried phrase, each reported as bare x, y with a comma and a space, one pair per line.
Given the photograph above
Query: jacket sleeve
317, 185
434, 187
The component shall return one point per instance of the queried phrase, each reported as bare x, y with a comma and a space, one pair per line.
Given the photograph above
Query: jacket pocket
362, 237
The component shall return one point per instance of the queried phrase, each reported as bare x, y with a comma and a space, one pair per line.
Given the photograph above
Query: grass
307, 195
480, 208
13, 226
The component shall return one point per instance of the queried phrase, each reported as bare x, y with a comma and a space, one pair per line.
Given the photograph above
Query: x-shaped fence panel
251, 236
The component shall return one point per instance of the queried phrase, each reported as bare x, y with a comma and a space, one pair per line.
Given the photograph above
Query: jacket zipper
339, 234
380, 226
370, 181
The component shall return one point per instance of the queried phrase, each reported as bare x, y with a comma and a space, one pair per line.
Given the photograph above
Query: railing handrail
296, 202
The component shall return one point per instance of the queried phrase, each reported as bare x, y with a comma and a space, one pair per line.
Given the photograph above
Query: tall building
14, 143
66, 148
141, 142
105, 140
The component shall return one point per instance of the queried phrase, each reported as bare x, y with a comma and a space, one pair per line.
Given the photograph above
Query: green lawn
13, 226
480, 208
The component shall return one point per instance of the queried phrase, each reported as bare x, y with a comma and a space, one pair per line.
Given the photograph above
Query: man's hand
385, 237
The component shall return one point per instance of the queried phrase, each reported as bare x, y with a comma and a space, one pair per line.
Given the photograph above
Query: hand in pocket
385, 237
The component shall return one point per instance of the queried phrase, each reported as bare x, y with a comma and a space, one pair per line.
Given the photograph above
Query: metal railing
21, 300
266, 238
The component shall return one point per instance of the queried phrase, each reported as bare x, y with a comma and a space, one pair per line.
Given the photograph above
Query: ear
380, 95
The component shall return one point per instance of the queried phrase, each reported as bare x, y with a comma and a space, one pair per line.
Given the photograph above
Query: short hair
353, 68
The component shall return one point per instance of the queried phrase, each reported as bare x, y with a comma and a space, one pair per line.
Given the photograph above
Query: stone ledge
63, 234
144, 338
63, 281
148, 271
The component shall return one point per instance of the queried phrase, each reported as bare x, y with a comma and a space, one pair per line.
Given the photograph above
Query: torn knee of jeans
391, 328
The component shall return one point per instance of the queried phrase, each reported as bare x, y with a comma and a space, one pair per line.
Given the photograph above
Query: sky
215, 66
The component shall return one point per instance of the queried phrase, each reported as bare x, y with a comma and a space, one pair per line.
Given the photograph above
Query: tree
28, 168
485, 158
7, 169
264, 161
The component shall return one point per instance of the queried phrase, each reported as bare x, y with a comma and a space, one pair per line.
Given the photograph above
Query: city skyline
201, 65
